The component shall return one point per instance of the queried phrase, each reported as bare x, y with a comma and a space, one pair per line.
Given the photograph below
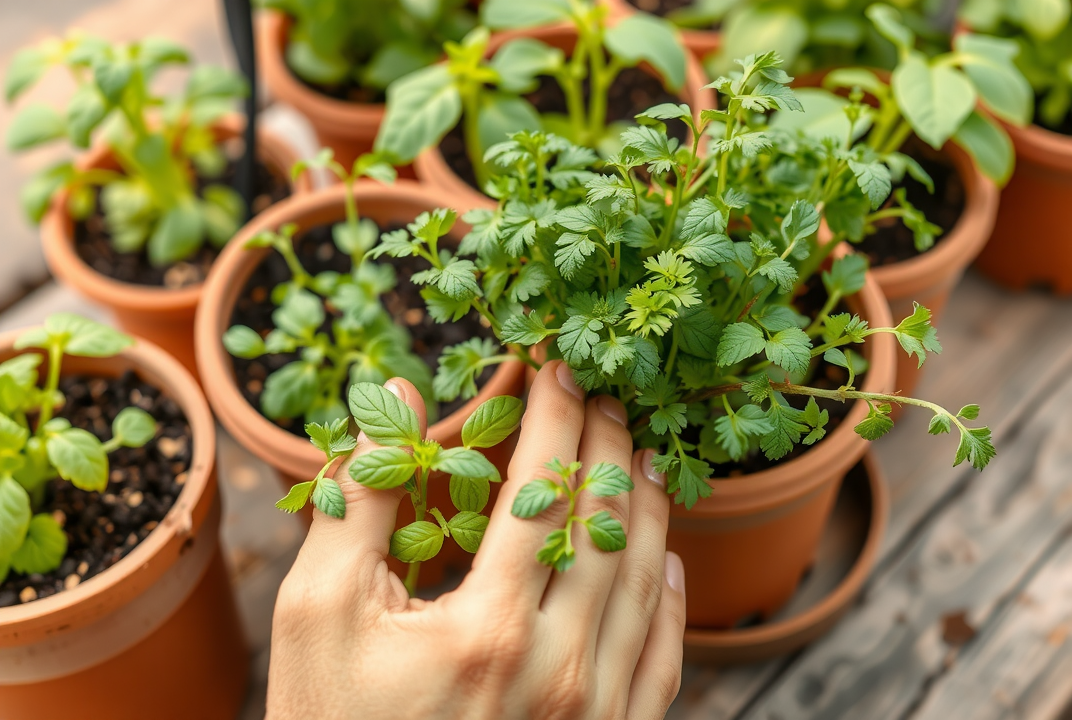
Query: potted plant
810, 35
333, 61
921, 134
135, 222
300, 308
1028, 245
560, 67
679, 282
110, 566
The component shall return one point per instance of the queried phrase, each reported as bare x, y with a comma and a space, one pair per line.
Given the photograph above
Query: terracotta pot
157, 634
432, 169
700, 43
1032, 241
161, 315
295, 458
930, 277
348, 128
746, 546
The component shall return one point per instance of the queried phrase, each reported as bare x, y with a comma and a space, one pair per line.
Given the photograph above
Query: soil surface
93, 242
318, 253
102, 528
1065, 128
348, 91
632, 92
893, 242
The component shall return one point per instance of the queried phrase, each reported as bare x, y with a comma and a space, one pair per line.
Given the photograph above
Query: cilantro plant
388, 421
36, 447
602, 480
680, 292
336, 43
487, 95
335, 321
1041, 32
152, 202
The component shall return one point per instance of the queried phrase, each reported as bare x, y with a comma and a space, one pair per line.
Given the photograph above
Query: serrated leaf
492, 422
328, 498
556, 551
417, 542
469, 493
876, 424
790, 349
524, 329
975, 447
606, 532
688, 479
534, 497
607, 479
969, 412
463, 461
873, 179
296, 498
383, 468
383, 416
467, 528
939, 424
739, 341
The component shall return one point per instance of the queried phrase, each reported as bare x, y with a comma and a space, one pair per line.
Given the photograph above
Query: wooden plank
879, 661
1019, 667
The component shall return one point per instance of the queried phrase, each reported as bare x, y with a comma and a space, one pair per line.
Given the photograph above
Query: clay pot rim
287, 452
1041, 145
329, 111
960, 245
104, 592
831, 457
431, 164
57, 234
788, 634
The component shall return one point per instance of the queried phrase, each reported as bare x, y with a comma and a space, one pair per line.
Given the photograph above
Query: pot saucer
847, 553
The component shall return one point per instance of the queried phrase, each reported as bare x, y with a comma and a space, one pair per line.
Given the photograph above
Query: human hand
515, 640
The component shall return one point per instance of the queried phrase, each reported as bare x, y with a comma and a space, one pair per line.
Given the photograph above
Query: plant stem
471, 130
420, 506
55, 359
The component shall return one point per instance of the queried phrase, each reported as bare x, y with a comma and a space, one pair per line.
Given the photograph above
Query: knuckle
668, 683
570, 695
644, 582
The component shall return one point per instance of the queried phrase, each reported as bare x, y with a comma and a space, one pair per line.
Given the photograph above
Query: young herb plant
339, 43
1040, 33
487, 95
151, 203
388, 421
336, 322
36, 447
679, 290
602, 480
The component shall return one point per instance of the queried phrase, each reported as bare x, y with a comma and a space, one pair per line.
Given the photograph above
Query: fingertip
408, 393
674, 569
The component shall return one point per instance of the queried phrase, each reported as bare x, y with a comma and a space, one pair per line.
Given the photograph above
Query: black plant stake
240, 24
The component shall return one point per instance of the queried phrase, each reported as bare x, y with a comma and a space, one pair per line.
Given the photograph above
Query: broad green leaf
688, 480
417, 542
290, 390
85, 111
642, 37
846, 276
887, 21
467, 528
735, 429
243, 342
786, 430
459, 367
44, 546
520, 62
383, 468
383, 416
463, 461
213, 81
607, 479
969, 412
79, 458
935, 100
328, 498
874, 180
524, 329
177, 236
1044, 19
801, 222
421, 109
739, 341
34, 125
26, 68
988, 61
510, 14
133, 427
790, 349
607, 533
300, 315
468, 493
534, 497
112, 76
492, 422
296, 498
14, 515
989, 146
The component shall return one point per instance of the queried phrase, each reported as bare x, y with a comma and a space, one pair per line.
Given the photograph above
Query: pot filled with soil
240, 293
138, 609
150, 300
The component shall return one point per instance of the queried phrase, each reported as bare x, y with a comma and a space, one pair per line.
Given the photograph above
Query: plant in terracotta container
333, 60
109, 560
559, 67
1029, 244
679, 282
137, 221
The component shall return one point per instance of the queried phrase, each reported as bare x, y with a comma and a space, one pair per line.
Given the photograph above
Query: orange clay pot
700, 43
1032, 241
295, 458
432, 169
348, 128
161, 315
746, 546
157, 634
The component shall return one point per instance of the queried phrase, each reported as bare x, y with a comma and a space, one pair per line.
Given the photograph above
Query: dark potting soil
93, 242
893, 242
102, 528
1064, 128
348, 91
632, 92
662, 8
318, 253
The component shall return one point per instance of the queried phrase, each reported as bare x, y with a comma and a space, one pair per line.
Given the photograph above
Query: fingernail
648, 468
394, 388
675, 572
612, 408
565, 379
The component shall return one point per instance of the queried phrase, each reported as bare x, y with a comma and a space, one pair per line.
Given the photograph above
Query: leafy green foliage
602, 480
31, 455
162, 144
